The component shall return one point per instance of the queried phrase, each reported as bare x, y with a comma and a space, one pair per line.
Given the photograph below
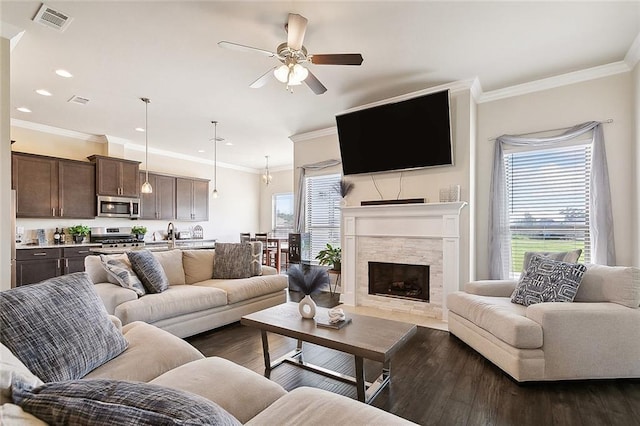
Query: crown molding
556, 81
329, 131
57, 131
633, 54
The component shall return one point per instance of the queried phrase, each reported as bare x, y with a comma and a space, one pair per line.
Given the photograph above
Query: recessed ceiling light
43, 92
228, 143
201, 151
139, 129
64, 73
23, 109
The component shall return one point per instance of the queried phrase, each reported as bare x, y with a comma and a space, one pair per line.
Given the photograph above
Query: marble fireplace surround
421, 234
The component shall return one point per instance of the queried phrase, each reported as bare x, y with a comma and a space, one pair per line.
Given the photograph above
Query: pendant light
214, 194
146, 186
266, 176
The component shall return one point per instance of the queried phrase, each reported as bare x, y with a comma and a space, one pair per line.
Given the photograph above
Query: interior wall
5, 167
282, 183
636, 117
236, 209
424, 183
600, 99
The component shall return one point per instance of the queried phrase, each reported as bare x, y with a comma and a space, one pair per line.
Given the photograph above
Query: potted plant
330, 256
139, 231
79, 232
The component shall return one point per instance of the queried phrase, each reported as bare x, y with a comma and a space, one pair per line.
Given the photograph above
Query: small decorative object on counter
198, 233
56, 237
309, 280
62, 237
79, 232
139, 231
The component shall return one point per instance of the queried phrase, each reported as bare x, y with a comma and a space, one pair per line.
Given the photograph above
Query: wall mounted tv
409, 134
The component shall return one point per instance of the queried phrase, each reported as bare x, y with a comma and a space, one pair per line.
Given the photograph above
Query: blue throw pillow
149, 270
548, 280
59, 328
116, 402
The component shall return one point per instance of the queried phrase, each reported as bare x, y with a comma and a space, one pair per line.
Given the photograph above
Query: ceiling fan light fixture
282, 73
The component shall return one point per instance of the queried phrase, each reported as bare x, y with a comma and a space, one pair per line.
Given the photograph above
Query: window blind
322, 210
548, 201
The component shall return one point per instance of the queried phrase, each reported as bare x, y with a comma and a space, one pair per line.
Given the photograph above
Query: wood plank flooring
439, 380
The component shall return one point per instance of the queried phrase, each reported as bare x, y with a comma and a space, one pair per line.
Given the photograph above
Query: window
548, 201
282, 214
322, 212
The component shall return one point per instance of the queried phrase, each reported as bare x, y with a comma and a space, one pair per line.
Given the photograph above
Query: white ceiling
167, 51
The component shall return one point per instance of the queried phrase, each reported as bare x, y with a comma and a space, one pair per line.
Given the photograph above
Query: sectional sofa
194, 301
64, 360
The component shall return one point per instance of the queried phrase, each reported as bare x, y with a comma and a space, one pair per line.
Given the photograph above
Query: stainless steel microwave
118, 207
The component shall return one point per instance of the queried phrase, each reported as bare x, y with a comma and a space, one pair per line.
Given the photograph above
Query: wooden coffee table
367, 337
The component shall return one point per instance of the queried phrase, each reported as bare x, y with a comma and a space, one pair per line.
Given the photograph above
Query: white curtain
298, 215
601, 218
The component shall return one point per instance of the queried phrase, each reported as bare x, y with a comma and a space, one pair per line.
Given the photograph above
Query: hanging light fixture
146, 186
214, 194
266, 176
291, 73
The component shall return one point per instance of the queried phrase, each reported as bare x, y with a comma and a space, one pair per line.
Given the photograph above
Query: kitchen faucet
171, 234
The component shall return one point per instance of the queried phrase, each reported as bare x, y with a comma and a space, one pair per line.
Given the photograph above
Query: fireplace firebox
399, 280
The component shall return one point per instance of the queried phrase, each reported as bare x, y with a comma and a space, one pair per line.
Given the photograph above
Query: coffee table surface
368, 337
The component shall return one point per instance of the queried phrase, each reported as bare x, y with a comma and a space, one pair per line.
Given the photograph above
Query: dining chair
269, 250
245, 237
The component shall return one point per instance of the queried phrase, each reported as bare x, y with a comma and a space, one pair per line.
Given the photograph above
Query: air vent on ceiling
52, 18
75, 99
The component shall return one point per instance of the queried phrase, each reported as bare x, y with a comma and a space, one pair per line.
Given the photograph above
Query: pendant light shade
146, 186
214, 193
266, 176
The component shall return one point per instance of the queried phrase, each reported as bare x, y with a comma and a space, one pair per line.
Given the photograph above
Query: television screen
409, 134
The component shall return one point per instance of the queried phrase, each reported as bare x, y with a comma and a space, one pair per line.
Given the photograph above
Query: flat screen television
409, 134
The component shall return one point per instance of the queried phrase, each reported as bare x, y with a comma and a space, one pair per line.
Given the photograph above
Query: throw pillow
548, 280
12, 370
564, 256
256, 258
59, 328
114, 402
232, 260
149, 270
123, 274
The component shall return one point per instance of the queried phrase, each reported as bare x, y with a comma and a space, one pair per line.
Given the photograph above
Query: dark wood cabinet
53, 187
192, 199
116, 177
161, 203
35, 265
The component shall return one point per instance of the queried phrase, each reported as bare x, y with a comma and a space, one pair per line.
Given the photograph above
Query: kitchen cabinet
192, 199
161, 203
116, 177
38, 264
53, 187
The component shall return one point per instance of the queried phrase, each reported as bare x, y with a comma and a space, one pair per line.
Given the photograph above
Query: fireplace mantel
437, 223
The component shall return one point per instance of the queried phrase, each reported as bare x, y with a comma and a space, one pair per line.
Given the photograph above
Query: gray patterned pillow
256, 258
565, 256
548, 280
232, 260
59, 328
113, 402
123, 274
149, 270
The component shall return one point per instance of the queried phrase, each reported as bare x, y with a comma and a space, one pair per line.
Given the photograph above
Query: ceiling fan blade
336, 59
243, 48
296, 27
262, 80
314, 84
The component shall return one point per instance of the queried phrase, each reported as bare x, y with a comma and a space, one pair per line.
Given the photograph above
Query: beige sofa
152, 356
194, 302
597, 336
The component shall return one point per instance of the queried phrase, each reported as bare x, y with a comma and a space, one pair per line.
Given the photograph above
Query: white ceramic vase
307, 307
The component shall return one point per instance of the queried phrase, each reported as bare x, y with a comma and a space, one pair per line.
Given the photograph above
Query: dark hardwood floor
438, 380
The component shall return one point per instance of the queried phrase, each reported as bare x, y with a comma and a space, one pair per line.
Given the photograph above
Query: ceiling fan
293, 54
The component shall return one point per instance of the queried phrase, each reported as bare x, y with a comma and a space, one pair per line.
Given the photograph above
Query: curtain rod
610, 120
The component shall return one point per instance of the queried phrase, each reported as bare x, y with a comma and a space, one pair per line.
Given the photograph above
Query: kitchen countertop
158, 246
23, 246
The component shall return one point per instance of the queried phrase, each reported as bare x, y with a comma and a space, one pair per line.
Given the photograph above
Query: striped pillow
149, 270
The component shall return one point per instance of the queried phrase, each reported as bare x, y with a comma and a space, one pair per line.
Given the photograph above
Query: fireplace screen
399, 280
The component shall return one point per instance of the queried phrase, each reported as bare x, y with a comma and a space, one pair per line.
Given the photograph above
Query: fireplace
401, 280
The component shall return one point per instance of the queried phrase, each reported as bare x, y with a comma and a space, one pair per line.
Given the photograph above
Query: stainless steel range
115, 237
